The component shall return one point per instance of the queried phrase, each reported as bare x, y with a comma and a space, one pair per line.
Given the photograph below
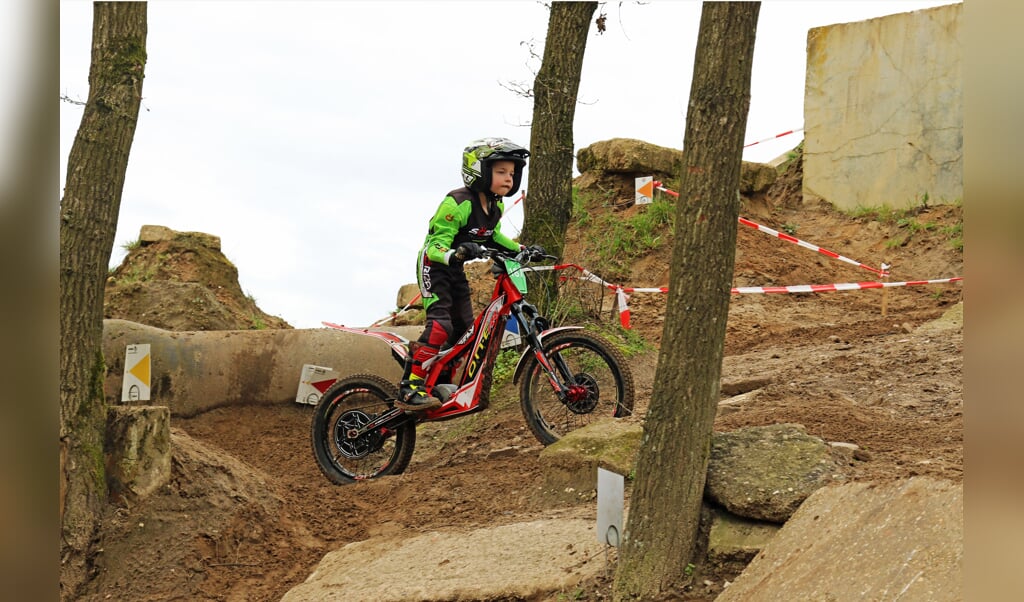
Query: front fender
529, 351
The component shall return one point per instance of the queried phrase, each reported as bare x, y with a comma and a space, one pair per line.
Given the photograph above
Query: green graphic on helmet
477, 159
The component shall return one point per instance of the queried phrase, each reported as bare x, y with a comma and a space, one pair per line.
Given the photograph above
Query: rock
733, 541
523, 561
756, 177
864, 541
570, 464
151, 234
406, 294
909, 78
765, 473
138, 459
639, 158
951, 320
743, 385
625, 155
735, 403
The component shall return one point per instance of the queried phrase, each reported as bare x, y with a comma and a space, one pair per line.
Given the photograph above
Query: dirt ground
247, 515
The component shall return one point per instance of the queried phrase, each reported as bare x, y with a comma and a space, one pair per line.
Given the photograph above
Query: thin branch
70, 100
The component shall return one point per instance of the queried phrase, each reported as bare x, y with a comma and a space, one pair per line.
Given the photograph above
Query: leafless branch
70, 100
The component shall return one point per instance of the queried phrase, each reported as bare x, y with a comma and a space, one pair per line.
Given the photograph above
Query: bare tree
549, 206
661, 533
88, 222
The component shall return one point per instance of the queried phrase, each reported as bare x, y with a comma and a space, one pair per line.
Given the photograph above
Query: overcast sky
317, 138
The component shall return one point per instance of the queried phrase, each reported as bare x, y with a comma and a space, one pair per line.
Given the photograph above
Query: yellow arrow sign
135, 382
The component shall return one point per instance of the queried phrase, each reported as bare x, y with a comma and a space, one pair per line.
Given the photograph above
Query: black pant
447, 298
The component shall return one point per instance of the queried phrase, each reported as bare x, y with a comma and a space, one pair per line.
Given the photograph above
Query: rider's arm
443, 227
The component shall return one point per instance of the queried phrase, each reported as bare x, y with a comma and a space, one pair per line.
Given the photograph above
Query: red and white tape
794, 240
807, 245
622, 296
387, 319
775, 137
846, 286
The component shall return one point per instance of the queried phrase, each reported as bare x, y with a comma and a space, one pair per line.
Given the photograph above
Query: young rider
467, 221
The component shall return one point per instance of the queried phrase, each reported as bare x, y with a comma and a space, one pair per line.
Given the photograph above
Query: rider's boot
413, 395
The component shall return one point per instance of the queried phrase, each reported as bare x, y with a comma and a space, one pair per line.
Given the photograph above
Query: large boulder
761, 473
625, 156
864, 541
485, 564
766, 472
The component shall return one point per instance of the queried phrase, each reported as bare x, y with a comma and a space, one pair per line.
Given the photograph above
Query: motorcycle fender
528, 352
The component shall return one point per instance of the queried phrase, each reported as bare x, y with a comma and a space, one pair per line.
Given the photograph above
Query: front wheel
595, 374
347, 406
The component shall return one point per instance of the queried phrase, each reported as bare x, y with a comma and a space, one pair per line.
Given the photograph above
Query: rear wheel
346, 407
597, 377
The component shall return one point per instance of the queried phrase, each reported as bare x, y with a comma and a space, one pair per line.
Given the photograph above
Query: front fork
534, 334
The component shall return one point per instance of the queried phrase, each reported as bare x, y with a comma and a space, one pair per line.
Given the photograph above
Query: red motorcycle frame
567, 377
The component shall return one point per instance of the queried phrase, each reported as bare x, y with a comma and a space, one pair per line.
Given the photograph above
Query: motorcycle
567, 378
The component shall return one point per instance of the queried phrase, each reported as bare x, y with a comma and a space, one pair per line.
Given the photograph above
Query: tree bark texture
549, 204
88, 222
661, 533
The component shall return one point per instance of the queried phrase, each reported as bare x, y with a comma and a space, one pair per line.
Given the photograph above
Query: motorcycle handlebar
523, 256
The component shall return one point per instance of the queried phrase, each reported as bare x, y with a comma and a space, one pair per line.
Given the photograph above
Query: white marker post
610, 487
644, 190
135, 381
511, 337
313, 382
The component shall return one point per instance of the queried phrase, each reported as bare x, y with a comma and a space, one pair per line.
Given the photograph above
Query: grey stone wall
883, 110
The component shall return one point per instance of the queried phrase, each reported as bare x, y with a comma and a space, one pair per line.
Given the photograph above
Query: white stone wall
883, 110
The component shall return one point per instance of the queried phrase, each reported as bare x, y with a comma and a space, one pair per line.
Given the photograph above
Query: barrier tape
383, 321
786, 237
846, 286
622, 296
775, 137
807, 245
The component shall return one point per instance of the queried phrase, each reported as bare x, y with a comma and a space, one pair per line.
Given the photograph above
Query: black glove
469, 250
535, 252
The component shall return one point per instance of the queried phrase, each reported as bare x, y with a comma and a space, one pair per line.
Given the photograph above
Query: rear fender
399, 345
529, 351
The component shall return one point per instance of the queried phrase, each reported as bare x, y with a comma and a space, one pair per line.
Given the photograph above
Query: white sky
317, 138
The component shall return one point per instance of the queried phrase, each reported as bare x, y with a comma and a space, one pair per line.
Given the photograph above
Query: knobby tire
359, 398
596, 366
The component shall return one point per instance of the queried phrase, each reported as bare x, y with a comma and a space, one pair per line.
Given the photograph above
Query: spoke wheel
599, 385
342, 453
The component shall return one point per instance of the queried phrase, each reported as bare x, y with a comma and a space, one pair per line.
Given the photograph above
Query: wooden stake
885, 290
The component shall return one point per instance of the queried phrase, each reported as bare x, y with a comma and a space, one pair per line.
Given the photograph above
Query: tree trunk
88, 222
661, 533
548, 207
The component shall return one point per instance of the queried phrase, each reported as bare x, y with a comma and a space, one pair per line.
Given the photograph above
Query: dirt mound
181, 281
830, 361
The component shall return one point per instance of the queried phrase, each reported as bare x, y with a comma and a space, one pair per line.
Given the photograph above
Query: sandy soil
829, 361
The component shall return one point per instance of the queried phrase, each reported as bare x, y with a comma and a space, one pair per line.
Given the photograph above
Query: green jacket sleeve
443, 227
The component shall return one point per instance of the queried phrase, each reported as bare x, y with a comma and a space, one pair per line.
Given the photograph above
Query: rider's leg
413, 393
435, 281
462, 306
